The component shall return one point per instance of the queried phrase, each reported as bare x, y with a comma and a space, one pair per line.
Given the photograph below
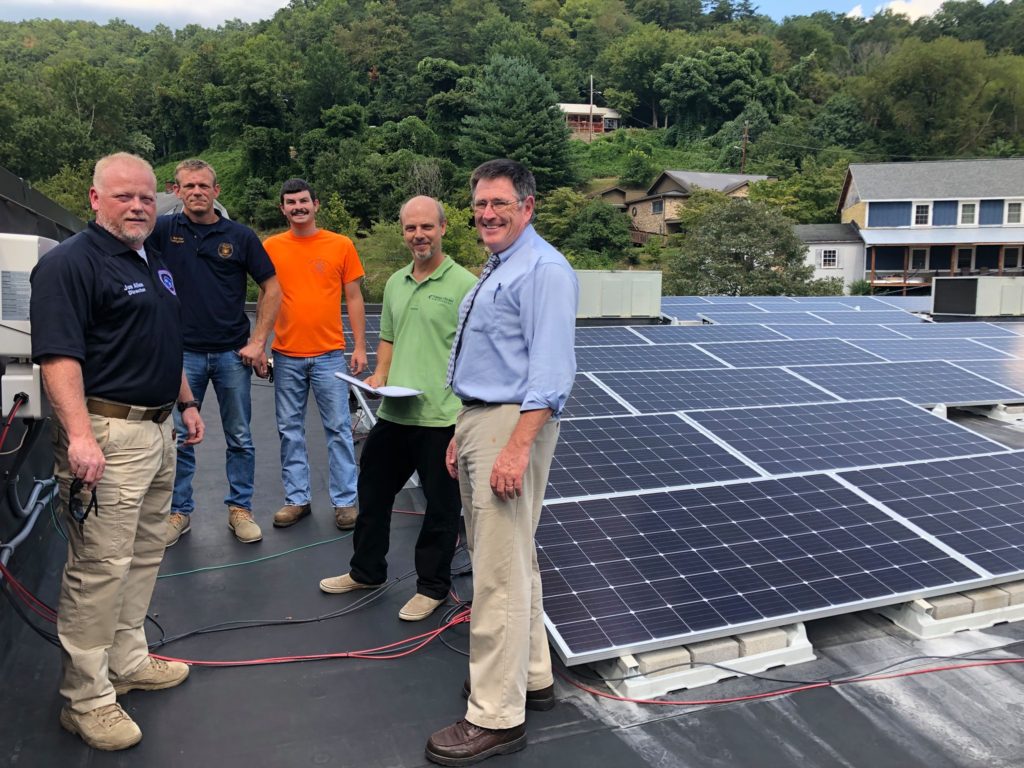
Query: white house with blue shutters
923, 219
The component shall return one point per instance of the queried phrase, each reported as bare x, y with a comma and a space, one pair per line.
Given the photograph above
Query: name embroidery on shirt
177, 239
133, 288
448, 300
167, 279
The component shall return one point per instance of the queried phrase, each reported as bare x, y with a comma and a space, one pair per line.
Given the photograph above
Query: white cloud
912, 9
173, 13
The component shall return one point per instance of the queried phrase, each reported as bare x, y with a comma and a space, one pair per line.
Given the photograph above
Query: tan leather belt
158, 414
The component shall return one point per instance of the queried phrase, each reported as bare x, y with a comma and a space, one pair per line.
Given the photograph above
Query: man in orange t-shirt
315, 268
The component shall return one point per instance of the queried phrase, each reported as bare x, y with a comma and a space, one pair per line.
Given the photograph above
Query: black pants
391, 453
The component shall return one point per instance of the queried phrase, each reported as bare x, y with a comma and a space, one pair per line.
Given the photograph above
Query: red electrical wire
10, 420
31, 601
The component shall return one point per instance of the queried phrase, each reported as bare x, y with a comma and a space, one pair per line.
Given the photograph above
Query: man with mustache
315, 268
211, 256
106, 331
512, 364
417, 325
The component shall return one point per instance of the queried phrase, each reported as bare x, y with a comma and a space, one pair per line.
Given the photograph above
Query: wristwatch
186, 404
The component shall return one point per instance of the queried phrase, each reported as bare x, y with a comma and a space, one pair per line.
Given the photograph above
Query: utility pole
743, 155
590, 120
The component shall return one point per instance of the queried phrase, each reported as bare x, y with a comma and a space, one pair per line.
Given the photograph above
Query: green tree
810, 196
630, 66
739, 248
639, 170
516, 116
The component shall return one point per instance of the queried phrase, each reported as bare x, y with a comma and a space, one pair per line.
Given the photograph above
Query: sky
213, 13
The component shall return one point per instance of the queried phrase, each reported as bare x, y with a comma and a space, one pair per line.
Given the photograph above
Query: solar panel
1011, 345
908, 303
641, 572
808, 438
861, 303
644, 357
896, 350
676, 334
953, 330
755, 354
725, 300
595, 457
607, 336
732, 308
771, 318
1008, 373
927, 383
873, 317
973, 506
1015, 328
677, 301
846, 331
652, 392
590, 399
804, 305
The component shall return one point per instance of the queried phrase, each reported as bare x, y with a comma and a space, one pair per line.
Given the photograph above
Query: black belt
158, 414
471, 403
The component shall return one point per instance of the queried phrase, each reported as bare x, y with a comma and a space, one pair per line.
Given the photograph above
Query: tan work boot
345, 518
240, 521
153, 676
107, 727
418, 608
337, 585
177, 525
290, 514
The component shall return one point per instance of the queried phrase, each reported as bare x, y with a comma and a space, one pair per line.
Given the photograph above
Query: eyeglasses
79, 512
498, 206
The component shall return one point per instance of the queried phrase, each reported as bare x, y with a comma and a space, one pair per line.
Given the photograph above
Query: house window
968, 213
919, 258
1013, 212
657, 206
829, 258
1011, 258
922, 214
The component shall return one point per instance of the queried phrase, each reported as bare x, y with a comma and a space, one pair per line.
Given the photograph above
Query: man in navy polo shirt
210, 257
106, 331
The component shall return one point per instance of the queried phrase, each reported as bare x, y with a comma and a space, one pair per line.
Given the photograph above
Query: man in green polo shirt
417, 327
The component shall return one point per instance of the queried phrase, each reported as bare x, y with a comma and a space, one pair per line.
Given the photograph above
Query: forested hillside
375, 100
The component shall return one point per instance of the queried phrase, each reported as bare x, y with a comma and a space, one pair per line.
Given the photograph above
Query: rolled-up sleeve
549, 327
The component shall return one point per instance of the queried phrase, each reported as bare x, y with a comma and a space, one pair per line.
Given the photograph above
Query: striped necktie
492, 262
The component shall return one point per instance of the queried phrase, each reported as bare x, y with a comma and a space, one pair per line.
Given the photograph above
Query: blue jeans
231, 382
293, 377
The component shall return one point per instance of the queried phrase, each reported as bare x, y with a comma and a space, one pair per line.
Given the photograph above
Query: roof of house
937, 180
827, 233
721, 182
585, 109
943, 236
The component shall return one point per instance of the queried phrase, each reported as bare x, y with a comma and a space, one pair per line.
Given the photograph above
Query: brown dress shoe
465, 744
290, 514
345, 518
540, 700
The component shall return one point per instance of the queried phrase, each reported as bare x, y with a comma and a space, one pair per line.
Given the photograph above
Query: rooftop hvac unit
619, 293
978, 296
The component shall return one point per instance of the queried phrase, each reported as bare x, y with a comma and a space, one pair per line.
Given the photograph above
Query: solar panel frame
871, 317
765, 318
953, 330
845, 331
692, 334
661, 391
1007, 373
837, 436
608, 336
924, 383
645, 357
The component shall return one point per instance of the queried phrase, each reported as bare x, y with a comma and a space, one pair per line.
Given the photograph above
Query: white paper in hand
384, 391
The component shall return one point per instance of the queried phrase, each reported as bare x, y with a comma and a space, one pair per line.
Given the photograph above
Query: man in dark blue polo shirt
106, 332
210, 257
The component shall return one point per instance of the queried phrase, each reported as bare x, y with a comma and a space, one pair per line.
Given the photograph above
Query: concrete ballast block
762, 641
664, 661
988, 598
948, 606
715, 651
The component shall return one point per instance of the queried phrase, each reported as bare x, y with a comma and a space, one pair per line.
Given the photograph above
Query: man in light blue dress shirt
513, 368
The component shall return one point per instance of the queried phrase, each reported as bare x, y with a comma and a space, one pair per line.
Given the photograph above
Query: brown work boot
464, 743
107, 727
177, 526
345, 518
240, 521
155, 675
290, 514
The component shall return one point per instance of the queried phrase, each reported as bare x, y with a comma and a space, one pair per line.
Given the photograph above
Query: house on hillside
834, 250
922, 219
586, 121
657, 211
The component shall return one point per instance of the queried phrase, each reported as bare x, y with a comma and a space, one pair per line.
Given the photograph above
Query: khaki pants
508, 645
113, 557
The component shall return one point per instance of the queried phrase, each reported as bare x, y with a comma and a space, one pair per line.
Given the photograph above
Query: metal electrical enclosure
619, 293
978, 296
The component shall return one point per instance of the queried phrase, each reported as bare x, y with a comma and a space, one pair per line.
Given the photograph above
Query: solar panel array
767, 468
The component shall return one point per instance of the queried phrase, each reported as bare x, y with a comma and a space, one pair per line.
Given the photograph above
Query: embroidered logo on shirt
133, 288
224, 250
320, 266
177, 240
167, 279
441, 299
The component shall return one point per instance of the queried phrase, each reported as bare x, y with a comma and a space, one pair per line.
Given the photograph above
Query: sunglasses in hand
75, 507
